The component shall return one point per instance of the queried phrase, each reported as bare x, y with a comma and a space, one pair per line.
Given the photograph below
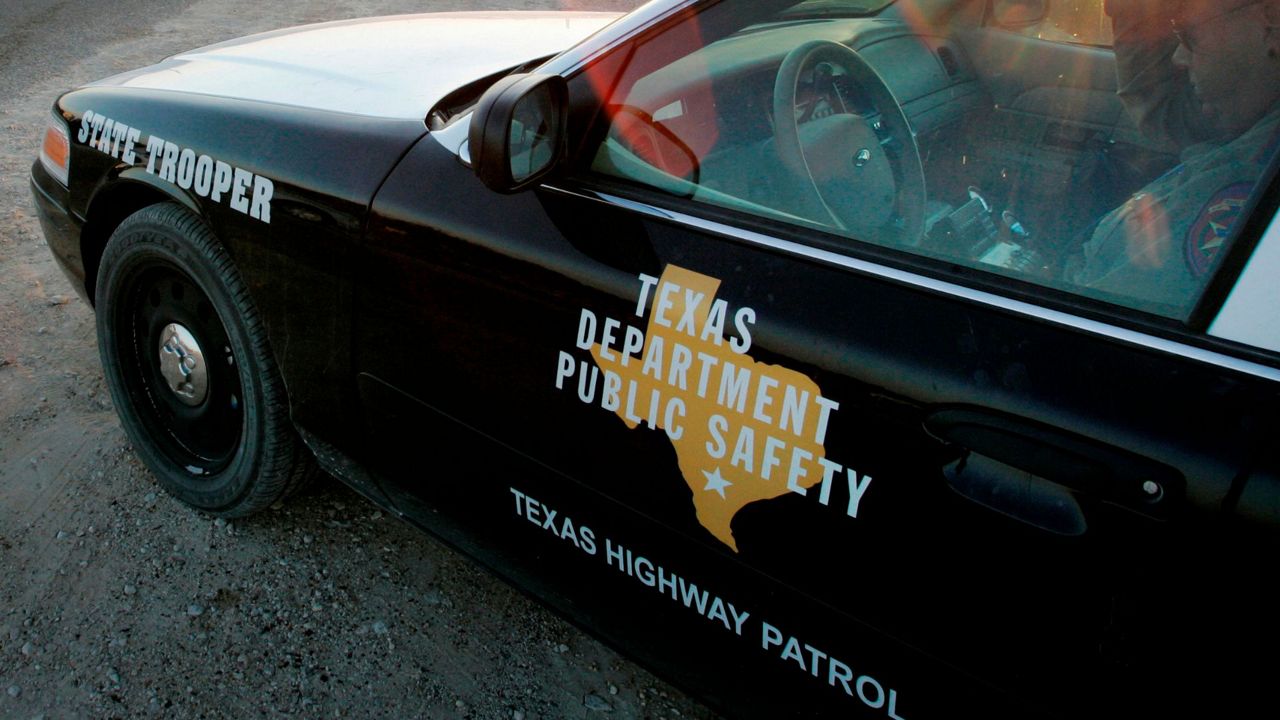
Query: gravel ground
118, 602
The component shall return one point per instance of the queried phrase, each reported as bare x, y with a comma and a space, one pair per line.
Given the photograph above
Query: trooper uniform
1157, 248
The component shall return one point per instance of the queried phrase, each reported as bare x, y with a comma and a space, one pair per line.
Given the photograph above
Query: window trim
989, 21
1245, 312
1259, 215
902, 276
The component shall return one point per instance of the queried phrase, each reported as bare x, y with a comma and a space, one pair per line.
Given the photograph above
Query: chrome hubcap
182, 365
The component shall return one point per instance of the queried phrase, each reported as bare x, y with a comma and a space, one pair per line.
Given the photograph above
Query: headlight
55, 151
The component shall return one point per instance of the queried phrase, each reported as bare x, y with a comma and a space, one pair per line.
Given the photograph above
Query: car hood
397, 66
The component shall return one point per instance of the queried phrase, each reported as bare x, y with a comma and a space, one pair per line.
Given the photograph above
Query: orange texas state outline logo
743, 430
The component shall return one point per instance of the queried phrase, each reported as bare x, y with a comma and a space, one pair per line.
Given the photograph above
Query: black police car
837, 358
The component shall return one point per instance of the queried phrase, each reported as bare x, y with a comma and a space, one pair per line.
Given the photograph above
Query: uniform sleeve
1155, 92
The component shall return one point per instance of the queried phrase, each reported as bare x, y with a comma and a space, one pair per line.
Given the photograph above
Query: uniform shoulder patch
1213, 225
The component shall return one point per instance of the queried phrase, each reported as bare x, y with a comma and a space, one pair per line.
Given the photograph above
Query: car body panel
1240, 319
368, 67
464, 280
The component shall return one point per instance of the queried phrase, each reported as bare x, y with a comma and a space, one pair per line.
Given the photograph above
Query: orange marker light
55, 152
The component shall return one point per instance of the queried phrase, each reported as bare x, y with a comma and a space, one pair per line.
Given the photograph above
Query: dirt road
116, 601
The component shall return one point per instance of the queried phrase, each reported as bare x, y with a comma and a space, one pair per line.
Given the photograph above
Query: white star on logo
715, 482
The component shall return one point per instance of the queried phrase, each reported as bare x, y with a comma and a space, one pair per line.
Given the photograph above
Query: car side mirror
1016, 14
517, 133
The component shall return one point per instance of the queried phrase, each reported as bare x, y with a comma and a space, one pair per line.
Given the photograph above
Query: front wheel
189, 368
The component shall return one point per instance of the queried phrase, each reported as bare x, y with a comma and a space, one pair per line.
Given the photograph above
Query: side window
1083, 22
893, 145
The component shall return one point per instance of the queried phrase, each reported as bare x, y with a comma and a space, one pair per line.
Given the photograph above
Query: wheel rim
181, 374
183, 365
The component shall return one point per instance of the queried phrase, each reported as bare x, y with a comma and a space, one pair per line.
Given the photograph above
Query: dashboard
715, 109
729, 85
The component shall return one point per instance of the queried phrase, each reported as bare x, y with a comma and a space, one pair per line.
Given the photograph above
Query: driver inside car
1203, 76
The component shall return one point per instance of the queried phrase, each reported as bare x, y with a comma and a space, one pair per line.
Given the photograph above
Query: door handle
1041, 474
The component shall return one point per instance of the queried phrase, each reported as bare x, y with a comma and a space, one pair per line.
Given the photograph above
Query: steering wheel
653, 143
866, 175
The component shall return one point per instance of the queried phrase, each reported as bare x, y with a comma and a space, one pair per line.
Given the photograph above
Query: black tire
189, 367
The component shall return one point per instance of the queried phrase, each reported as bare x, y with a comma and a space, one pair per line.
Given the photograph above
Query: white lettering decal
550, 520
240, 185
771, 460
862, 684
607, 338
868, 689
632, 345
130, 155
856, 489
169, 162
744, 450
155, 146
204, 175
564, 369
98, 122
647, 283
653, 358
85, 122
681, 359
717, 425
586, 329
687, 323
705, 364
261, 206
221, 180
665, 303
119, 143
859, 686
829, 470
763, 399
630, 411
675, 586
828, 406
714, 329
186, 168
587, 389
104, 139
250, 194
675, 406
758, 430
112, 142
733, 388
611, 395
799, 456
741, 319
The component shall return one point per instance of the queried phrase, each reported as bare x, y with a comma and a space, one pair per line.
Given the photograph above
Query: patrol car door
772, 411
